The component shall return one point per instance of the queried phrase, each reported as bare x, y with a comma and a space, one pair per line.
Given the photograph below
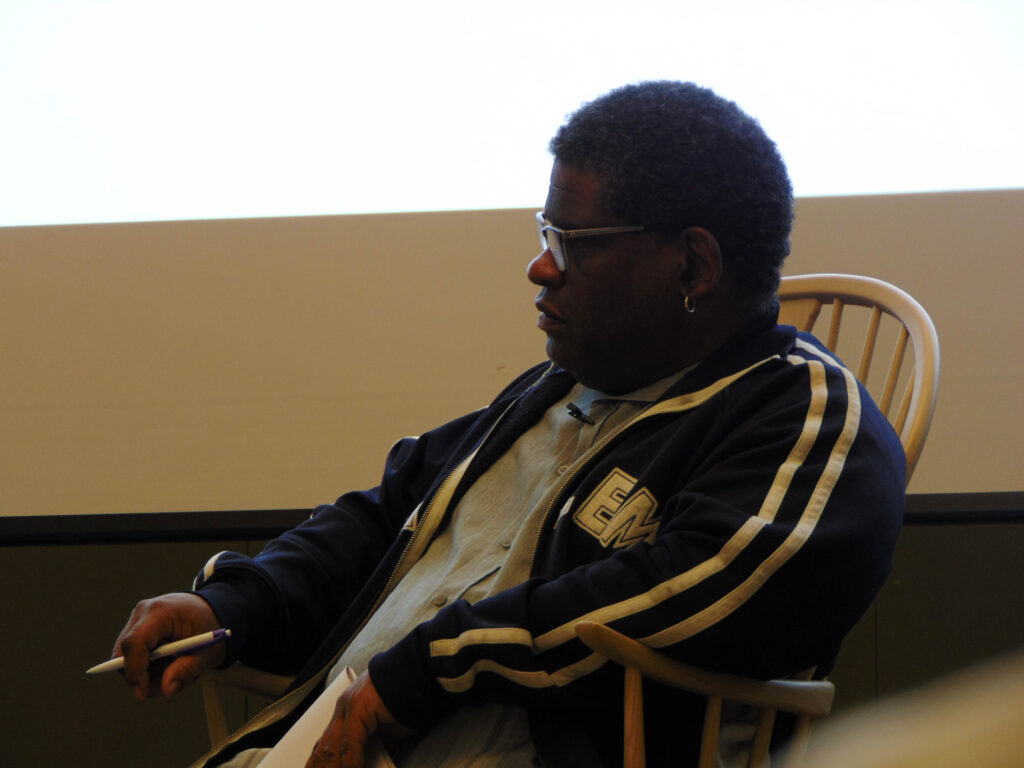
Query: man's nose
542, 269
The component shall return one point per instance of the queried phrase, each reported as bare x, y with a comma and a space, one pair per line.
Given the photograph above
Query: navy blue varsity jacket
742, 523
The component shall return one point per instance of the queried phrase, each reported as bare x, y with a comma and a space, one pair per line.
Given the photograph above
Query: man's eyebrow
560, 224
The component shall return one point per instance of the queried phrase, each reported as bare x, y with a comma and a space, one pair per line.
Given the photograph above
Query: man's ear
701, 262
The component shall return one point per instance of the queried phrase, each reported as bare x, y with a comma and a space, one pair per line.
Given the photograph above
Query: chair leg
216, 723
759, 755
798, 744
633, 712
709, 738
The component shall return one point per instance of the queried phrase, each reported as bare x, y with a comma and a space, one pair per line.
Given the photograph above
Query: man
683, 469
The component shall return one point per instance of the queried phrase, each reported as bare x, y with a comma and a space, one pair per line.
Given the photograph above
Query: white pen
176, 648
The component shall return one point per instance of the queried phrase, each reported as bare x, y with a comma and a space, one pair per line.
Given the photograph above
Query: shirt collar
647, 394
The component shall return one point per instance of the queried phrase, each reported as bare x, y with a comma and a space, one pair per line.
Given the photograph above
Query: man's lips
549, 318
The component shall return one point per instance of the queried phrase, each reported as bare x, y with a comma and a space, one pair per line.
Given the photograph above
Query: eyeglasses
553, 238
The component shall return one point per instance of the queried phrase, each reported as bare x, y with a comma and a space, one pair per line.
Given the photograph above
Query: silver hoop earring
688, 305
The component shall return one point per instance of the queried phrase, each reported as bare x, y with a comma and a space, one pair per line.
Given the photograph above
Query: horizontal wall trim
149, 526
922, 509
964, 508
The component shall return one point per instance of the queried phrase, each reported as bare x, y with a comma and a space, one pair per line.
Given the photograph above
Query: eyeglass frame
559, 253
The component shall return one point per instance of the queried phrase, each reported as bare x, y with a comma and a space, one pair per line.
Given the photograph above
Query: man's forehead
574, 196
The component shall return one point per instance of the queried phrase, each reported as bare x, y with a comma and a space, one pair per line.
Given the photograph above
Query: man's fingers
343, 741
345, 747
143, 632
136, 663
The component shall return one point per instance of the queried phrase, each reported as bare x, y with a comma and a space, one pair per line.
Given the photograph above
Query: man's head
707, 206
674, 155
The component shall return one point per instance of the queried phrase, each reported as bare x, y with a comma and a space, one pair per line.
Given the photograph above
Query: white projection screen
141, 111
244, 246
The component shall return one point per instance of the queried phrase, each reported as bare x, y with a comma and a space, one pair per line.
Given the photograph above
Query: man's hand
358, 715
161, 620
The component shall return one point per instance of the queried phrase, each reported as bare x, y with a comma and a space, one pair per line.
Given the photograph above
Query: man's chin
567, 359
557, 354
599, 377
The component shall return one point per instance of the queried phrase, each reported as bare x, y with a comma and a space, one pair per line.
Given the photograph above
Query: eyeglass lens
551, 239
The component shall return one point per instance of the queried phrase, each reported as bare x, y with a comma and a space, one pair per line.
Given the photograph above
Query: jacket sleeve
776, 530
283, 602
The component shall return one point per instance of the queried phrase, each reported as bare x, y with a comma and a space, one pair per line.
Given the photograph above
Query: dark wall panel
953, 600
63, 608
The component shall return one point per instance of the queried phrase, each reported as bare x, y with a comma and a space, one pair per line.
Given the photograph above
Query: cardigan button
440, 600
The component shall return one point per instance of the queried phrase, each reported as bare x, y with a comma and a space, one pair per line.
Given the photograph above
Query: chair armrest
240, 677
809, 697
250, 680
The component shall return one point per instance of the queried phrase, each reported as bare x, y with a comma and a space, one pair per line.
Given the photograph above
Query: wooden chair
802, 299
915, 377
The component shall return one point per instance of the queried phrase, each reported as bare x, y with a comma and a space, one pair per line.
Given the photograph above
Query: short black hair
673, 155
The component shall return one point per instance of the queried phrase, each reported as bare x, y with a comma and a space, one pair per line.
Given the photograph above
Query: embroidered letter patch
615, 515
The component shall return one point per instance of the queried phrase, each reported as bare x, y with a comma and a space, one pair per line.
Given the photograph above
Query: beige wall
270, 363
962, 256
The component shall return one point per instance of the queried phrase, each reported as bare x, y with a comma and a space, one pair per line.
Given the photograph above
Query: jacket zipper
389, 584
